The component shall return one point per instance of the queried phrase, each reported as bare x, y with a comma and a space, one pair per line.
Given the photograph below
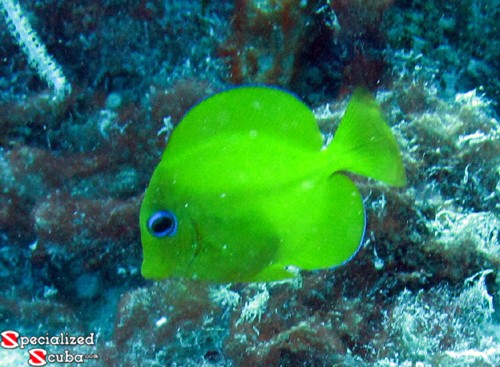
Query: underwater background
89, 92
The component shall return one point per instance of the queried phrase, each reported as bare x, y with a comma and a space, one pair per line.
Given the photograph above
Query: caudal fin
364, 143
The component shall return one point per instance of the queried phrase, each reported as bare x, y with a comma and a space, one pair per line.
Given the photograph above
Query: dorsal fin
248, 110
364, 143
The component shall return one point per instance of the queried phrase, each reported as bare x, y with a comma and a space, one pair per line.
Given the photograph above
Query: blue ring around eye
163, 223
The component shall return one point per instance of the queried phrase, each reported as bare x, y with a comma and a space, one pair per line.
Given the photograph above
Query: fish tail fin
364, 143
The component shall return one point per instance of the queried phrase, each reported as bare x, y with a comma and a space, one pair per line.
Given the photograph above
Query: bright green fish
245, 189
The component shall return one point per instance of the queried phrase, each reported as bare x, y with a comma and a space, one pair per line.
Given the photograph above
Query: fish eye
162, 224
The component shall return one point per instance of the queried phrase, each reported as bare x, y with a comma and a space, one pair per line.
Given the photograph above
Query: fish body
245, 190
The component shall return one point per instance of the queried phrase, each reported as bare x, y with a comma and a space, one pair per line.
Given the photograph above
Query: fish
247, 191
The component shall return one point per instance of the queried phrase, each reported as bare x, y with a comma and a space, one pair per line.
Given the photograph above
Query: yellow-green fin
364, 143
250, 111
333, 228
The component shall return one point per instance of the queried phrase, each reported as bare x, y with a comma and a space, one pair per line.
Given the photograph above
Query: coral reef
73, 172
315, 48
453, 44
422, 291
266, 41
170, 323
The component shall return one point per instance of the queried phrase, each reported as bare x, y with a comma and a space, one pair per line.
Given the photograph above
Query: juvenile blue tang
245, 188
